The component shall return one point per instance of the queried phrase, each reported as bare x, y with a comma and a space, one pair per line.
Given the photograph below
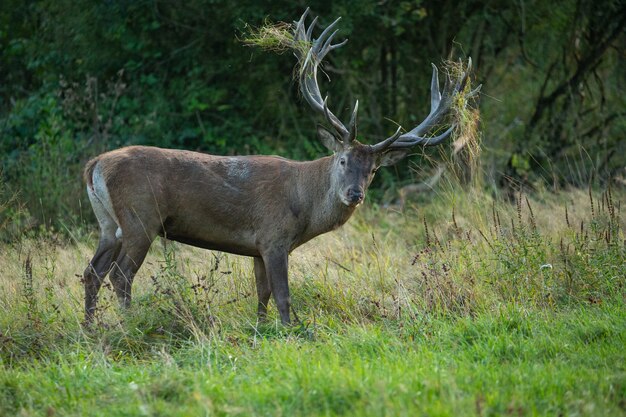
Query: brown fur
258, 206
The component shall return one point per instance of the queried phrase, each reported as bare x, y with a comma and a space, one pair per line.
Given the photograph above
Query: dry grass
465, 114
434, 258
274, 37
451, 298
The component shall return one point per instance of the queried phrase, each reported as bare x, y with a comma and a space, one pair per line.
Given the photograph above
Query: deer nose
355, 195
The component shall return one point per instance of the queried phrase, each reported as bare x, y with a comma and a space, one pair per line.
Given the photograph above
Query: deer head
354, 163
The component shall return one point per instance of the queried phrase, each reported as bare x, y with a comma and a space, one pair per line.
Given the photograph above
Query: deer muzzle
355, 196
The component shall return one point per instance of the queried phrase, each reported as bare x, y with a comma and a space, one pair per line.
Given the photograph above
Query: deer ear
391, 157
328, 139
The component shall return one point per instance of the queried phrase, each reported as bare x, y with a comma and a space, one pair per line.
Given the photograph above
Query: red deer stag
258, 206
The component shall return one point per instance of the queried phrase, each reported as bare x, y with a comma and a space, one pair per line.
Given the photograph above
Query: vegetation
461, 306
501, 292
80, 77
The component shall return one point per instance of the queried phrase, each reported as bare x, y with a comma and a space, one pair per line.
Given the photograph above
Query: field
454, 305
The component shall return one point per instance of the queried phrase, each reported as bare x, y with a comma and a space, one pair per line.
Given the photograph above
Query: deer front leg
263, 288
276, 270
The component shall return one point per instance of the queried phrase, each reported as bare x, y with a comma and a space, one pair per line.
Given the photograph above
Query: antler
310, 54
439, 106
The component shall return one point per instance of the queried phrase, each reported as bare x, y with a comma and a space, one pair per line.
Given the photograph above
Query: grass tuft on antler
275, 37
465, 114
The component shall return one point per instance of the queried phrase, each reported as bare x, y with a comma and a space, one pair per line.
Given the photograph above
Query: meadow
457, 304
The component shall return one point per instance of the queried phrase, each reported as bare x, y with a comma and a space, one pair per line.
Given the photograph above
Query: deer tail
88, 173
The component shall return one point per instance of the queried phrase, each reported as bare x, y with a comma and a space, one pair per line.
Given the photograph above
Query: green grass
496, 310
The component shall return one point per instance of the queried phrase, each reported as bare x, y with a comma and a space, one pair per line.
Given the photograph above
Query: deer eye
342, 161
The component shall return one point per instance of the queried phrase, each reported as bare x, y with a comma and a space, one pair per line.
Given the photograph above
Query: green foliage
44, 170
81, 77
14, 218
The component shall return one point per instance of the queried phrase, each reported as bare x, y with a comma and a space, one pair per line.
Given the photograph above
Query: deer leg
136, 242
263, 288
100, 265
276, 267
98, 268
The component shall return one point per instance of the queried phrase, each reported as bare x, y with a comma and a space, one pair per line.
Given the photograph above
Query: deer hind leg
263, 288
136, 240
98, 268
108, 249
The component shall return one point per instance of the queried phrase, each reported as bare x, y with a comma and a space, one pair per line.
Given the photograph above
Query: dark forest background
83, 76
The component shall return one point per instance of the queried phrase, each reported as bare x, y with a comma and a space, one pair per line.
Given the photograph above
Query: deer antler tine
309, 31
300, 22
338, 45
460, 85
419, 140
339, 127
353, 128
328, 30
325, 105
327, 44
310, 59
381, 146
446, 84
300, 30
436, 140
435, 95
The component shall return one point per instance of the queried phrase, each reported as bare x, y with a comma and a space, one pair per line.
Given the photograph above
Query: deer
262, 207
